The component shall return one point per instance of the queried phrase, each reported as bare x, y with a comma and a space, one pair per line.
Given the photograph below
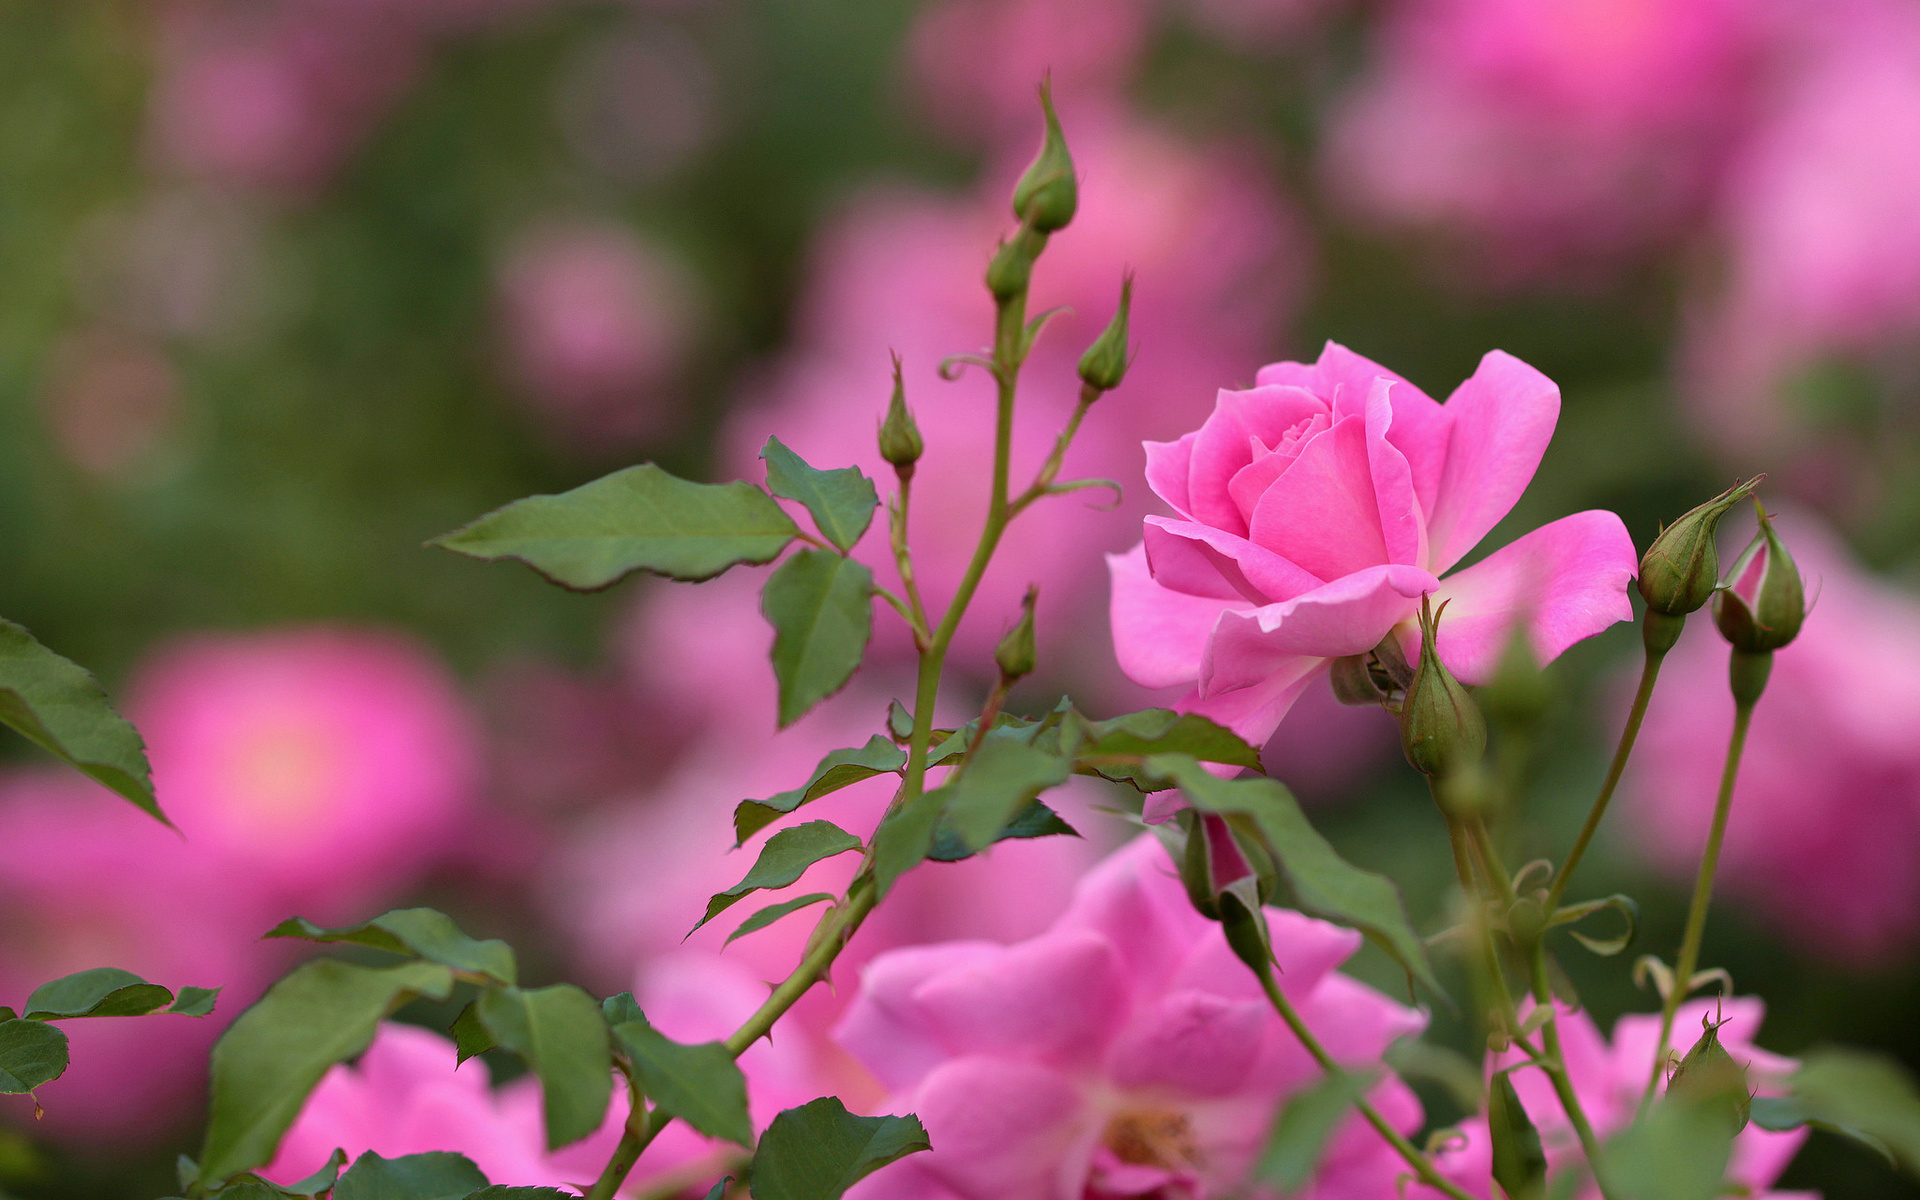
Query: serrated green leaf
904, 838
503, 1192
1004, 776
194, 1002
1861, 1095
773, 912
1323, 884
558, 1030
58, 705
101, 992
782, 861
31, 1053
418, 933
470, 1036
1160, 731
1036, 820
1307, 1123
819, 1150
841, 768
1677, 1151
273, 1055
701, 1085
821, 608
637, 519
435, 1175
841, 499
1519, 1164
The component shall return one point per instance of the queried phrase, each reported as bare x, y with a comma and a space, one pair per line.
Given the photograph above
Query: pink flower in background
1217, 271
1316, 508
1610, 1077
1824, 838
1123, 1052
1824, 254
596, 323
323, 764
1547, 133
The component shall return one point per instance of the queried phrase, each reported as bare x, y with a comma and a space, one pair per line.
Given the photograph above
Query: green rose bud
900, 441
1763, 605
1011, 268
1709, 1075
1104, 364
1441, 728
1047, 194
1015, 653
1680, 570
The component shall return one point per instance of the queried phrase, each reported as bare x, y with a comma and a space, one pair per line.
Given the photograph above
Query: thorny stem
1649, 672
842, 919
1689, 960
1423, 1167
903, 559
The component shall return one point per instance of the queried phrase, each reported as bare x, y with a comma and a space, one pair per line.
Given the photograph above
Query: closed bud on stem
1764, 603
900, 441
1708, 1075
1104, 364
1047, 194
1015, 654
1220, 860
1441, 729
1680, 570
1011, 268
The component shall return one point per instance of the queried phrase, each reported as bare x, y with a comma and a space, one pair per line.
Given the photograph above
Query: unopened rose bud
1709, 1075
1441, 729
1763, 605
1218, 860
1015, 654
1047, 194
1680, 570
1011, 268
900, 441
1104, 364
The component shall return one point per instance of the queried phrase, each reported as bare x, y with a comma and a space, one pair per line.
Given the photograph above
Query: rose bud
1015, 654
1219, 859
1763, 605
1441, 728
1047, 194
900, 441
1679, 571
1105, 363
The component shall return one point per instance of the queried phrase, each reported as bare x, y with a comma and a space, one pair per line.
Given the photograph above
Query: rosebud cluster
1679, 572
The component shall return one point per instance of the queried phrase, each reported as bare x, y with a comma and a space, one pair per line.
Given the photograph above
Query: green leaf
1036, 820
558, 1030
819, 1150
503, 1192
899, 721
273, 1055
417, 933
785, 858
821, 608
904, 838
1519, 1164
773, 912
841, 500
1004, 776
1625, 905
470, 1037
637, 519
719, 1190
436, 1175
1677, 1151
194, 1002
31, 1053
701, 1085
251, 1189
1860, 1095
1783, 1113
58, 705
101, 992
322, 1179
617, 1010
839, 769
1160, 731
1323, 884
1306, 1125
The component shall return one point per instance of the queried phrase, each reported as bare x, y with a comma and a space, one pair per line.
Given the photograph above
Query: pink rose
1316, 508
1124, 1052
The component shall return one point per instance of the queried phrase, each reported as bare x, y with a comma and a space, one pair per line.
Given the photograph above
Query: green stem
903, 560
1421, 1164
634, 1139
1649, 672
1555, 1062
1702, 897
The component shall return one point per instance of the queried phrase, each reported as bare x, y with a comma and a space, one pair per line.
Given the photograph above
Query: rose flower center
1153, 1137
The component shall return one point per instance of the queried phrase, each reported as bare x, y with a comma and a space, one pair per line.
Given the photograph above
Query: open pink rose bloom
1315, 509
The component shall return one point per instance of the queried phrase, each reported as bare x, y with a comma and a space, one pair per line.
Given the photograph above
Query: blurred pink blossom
1824, 837
596, 322
113, 404
1218, 268
638, 104
1609, 1079
1126, 1051
1544, 134
1314, 510
1823, 252
324, 764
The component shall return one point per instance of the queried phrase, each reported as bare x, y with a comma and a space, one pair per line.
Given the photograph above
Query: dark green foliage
701, 1084
841, 500
785, 858
419, 933
558, 1030
821, 608
819, 1150
60, 707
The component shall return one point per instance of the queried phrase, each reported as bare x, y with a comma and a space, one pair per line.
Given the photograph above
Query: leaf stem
1689, 960
1423, 1167
1649, 673
903, 560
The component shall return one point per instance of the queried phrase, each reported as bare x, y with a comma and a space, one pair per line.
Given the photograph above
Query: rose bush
1315, 509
